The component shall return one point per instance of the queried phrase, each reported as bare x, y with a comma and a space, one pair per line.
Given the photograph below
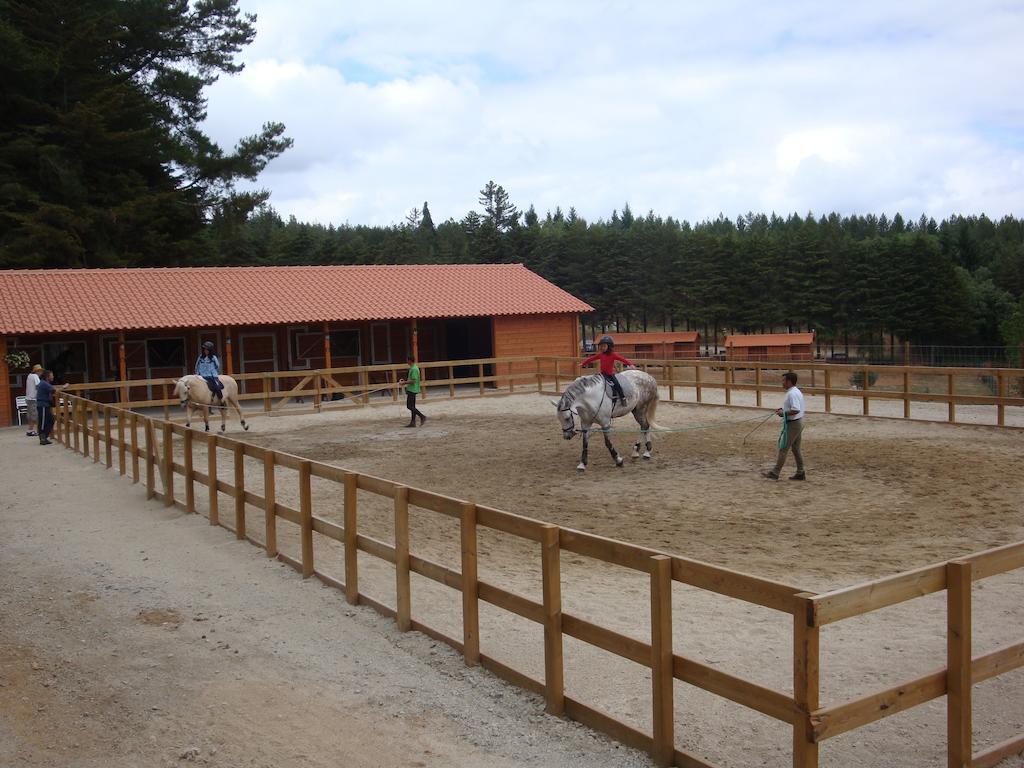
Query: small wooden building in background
657, 345
770, 347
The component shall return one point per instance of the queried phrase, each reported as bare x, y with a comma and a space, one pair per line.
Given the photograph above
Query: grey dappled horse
194, 392
590, 398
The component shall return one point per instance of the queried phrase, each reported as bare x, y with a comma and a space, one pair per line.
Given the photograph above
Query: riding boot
412, 422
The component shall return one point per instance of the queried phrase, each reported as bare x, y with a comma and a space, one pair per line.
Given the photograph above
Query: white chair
22, 406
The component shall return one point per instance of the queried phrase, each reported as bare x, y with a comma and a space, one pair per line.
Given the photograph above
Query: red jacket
607, 361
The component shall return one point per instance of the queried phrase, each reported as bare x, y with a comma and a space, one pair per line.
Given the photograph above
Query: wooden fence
377, 384
168, 450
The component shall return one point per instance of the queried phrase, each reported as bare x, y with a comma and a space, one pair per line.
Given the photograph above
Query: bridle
572, 430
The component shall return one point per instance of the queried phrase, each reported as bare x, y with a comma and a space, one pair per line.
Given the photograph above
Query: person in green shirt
412, 388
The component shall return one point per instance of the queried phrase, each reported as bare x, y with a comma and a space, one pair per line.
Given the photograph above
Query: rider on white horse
607, 355
208, 367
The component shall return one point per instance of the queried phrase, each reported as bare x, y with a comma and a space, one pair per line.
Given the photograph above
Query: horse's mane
577, 388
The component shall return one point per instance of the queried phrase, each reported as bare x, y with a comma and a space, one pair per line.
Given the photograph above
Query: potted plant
17, 360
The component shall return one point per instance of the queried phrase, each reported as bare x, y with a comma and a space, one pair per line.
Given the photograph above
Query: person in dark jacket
44, 406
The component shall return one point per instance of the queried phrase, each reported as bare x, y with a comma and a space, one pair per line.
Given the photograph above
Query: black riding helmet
208, 345
607, 340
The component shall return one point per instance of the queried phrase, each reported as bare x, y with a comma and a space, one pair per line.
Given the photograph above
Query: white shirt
794, 402
30, 386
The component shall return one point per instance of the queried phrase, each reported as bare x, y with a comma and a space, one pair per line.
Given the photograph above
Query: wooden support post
757, 383
133, 424
351, 549
106, 437
327, 347
1001, 392
317, 393
94, 407
239, 454
211, 471
805, 681
866, 385
266, 393
480, 370
906, 394
150, 461
66, 415
76, 420
270, 502
958, 662
952, 405
470, 601
551, 579
168, 464
122, 368
671, 380
190, 480
661, 660
728, 387
906, 353
121, 450
696, 381
403, 586
229, 356
364, 382
167, 407
415, 340
828, 390
306, 517
451, 381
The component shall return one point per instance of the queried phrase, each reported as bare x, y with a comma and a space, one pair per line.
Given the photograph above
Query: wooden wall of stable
153, 459
521, 335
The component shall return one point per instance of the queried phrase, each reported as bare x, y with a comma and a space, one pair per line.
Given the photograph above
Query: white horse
194, 393
590, 399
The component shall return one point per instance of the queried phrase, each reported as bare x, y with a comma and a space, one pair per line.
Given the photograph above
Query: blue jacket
207, 366
44, 394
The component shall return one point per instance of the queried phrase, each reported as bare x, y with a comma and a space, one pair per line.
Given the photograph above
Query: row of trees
862, 277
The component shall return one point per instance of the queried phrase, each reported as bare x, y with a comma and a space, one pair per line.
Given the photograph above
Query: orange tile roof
655, 337
66, 300
769, 339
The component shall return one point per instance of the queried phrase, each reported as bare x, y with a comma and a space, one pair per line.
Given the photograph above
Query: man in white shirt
792, 411
31, 382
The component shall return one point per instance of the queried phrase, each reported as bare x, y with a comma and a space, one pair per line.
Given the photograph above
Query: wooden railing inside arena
378, 384
168, 450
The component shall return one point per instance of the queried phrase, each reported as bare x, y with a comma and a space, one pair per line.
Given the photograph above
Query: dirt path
133, 636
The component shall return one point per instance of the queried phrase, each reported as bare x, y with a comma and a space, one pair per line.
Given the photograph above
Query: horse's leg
188, 415
238, 410
582, 466
206, 417
223, 415
636, 445
606, 430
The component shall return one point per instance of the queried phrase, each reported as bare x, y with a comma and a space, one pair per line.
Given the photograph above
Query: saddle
216, 386
609, 390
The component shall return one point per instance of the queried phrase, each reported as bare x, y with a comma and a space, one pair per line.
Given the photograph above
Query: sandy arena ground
112, 602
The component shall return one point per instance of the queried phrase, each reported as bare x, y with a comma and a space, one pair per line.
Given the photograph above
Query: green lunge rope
784, 432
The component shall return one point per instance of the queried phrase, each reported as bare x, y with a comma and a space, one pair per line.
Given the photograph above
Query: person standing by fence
44, 406
31, 384
412, 388
792, 413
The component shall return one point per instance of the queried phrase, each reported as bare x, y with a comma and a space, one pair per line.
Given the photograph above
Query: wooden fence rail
811, 723
378, 384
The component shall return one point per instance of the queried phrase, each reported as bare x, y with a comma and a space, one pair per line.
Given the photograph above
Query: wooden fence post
696, 381
351, 548
133, 424
728, 388
480, 369
539, 387
270, 502
317, 391
106, 436
958, 662
805, 681
557, 388
828, 390
403, 586
76, 418
906, 394
866, 385
150, 466
168, 465
211, 471
239, 454
266, 393
952, 405
511, 381
551, 576
671, 379
757, 383
451, 382
95, 432
364, 382
470, 589
190, 484
121, 462
1001, 392
661, 660
167, 407
306, 517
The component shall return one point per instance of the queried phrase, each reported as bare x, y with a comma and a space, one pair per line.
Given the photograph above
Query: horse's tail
652, 407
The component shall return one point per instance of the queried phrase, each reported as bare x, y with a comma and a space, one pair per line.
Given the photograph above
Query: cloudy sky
687, 108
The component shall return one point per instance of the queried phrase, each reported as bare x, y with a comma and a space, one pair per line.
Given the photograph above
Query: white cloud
687, 109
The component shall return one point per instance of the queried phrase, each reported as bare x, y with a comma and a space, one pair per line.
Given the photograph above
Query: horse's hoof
619, 462
207, 427
636, 455
581, 468
647, 456
245, 426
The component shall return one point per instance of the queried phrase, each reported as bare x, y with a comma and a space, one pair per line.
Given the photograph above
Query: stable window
345, 343
165, 353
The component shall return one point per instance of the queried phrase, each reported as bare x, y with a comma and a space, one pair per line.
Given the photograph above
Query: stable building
667, 345
91, 325
770, 347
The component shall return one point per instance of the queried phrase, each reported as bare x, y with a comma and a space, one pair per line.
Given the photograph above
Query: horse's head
565, 417
181, 390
